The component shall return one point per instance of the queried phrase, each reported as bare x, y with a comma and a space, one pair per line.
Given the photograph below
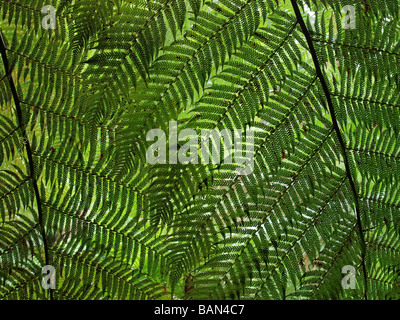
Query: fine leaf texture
78, 193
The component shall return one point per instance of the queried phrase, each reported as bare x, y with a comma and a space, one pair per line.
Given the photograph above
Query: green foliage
77, 193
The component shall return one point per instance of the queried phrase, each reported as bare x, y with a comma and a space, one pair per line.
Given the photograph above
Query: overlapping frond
322, 186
